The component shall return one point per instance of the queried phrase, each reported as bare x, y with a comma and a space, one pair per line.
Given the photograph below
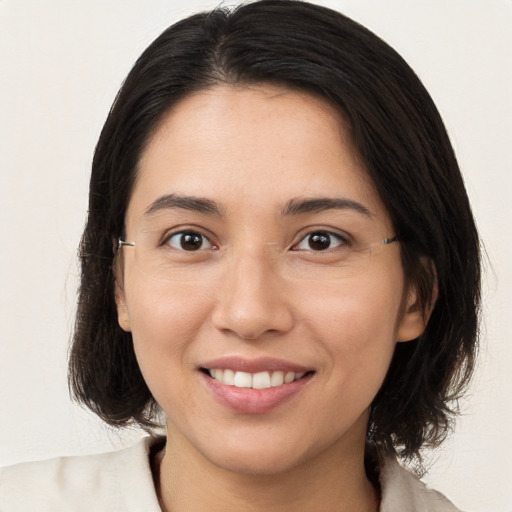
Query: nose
251, 301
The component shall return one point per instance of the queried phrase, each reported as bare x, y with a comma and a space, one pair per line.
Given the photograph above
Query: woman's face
251, 216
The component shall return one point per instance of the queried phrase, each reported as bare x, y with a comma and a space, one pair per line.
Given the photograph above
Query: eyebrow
320, 204
176, 201
292, 207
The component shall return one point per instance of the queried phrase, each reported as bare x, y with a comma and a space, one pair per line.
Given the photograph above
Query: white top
121, 481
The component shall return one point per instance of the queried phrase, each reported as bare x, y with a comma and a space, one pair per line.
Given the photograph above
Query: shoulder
119, 480
402, 491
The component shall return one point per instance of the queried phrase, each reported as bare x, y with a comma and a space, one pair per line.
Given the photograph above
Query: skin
253, 292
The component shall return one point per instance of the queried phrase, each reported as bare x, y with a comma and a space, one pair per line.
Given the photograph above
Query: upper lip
260, 364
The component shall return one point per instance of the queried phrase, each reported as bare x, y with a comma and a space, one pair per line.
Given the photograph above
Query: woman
280, 259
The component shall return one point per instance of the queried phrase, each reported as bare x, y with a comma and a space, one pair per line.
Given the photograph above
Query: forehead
252, 146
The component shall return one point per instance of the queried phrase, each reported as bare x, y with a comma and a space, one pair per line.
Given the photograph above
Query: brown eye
320, 241
189, 241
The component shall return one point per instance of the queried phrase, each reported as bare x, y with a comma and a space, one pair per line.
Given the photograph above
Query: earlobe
123, 317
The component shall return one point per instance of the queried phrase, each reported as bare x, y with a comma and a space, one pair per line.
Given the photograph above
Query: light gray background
61, 63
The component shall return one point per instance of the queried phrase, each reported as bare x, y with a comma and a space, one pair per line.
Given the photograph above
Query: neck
332, 482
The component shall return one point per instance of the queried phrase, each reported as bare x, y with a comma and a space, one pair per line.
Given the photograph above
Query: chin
256, 463
269, 453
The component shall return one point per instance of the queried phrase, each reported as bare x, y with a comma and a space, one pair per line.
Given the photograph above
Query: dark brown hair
406, 151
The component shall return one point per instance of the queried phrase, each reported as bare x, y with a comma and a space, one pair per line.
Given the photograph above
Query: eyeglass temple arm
387, 241
122, 243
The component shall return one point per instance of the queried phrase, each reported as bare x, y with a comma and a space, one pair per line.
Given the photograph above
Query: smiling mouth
259, 380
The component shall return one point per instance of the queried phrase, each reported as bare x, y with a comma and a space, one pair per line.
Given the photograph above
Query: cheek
164, 322
365, 309
356, 325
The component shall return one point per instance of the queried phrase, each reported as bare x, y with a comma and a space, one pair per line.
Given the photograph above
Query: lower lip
254, 401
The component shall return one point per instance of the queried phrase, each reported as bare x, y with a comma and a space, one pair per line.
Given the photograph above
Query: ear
415, 314
123, 316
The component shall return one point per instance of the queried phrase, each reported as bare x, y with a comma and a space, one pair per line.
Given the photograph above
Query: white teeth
228, 377
277, 379
288, 377
243, 380
260, 380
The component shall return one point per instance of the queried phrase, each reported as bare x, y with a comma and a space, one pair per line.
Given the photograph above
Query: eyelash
190, 232
342, 240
